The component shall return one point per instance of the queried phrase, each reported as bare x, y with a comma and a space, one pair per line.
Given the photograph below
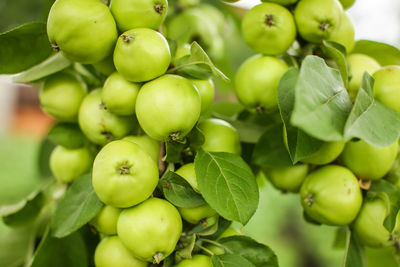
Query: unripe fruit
100, 125
147, 144
206, 90
187, 172
269, 29
331, 195
387, 86
141, 55
106, 220
84, 31
219, 136
317, 19
369, 161
256, 82
123, 174
168, 107
327, 153
67, 165
110, 252
106, 66
119, 95
347, 3
230, 231
196, 261
359, 63
344, 34
130, 14
288, 178
151, 229
196, 214
368, 226
61, 96
281, 2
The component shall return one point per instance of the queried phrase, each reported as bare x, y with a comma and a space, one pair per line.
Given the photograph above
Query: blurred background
278, 221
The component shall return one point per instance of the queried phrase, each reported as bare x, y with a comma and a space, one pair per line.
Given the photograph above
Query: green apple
359, 63
123, 174
347, 3
106, 66
168, 107
281, 2
196, 261
256, 82
100, 125
61, 96
219, 136
110, 252
151, 229
344, 33
215, 15
84, 31
67, 165
141, 55
288, 178
119, 95
187, 172
331, 195
317, 19
147, 144
106, 220
327, 153
369, 161
368, 226
206, 89
230, 231
269, 29
387, 86
130, 14
196, 214
181, 51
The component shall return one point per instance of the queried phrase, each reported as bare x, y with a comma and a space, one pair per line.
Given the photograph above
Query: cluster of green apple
126, 123
328, 180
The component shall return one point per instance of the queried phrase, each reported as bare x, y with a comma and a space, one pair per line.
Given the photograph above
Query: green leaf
51, 65
187, 243
258, 254
300, 144
23, 47
45, 149
354, 254
230, 260
173, 151
65, 252
79, 205
227, 184
28, 213
197, 65
270, 150
393, 193
68, 135
321, 101
383, 53
179, 192
337, 52
223, 224
206, 227
370, 120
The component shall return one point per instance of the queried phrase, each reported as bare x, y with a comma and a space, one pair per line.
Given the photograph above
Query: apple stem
157, 257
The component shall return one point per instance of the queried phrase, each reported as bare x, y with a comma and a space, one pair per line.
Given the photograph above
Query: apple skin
168, 107
119, 95
187, 172
367, 161
387, 86
100, 125
281, 2
141, 55
271, 36
130, 14
368, 226
196, 261
196, 214
147, 144
347, 3
316, 19
61, 96
331, 195
288, 178
327, 153
110, 252
106, 220
206, 89
84, 31
256, 82
344, 34
359, 63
